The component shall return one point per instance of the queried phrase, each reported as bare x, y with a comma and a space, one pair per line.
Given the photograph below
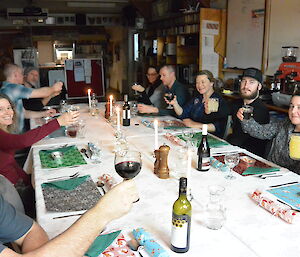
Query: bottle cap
183, 182
204, 129
125, 98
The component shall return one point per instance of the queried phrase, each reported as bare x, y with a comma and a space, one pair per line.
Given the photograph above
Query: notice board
84, 74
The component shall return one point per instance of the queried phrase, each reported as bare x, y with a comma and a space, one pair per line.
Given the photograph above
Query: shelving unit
179, 40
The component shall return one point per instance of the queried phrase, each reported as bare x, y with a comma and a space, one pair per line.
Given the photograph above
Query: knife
285, 184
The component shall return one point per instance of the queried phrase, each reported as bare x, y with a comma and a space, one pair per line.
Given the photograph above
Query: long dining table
249, 230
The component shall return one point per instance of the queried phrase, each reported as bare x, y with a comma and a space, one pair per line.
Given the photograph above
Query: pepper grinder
163, 170
156, 163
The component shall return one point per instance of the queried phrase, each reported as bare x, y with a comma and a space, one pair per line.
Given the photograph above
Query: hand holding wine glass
169, 96
128, 164
231, 160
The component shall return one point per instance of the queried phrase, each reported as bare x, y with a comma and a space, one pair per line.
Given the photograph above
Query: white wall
284, 30
244, 34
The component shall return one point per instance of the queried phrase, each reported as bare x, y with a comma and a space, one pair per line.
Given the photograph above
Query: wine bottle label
180, 230
126, 114
205, 165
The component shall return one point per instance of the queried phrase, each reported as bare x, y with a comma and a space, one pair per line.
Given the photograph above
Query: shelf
238, 71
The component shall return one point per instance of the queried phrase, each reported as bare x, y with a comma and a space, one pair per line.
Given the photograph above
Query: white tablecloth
249, 230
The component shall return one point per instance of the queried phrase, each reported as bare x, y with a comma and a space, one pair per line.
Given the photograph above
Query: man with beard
249, 90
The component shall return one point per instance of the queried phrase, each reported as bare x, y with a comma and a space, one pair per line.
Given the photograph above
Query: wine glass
231, 160
136, 94
128, 163
169, 96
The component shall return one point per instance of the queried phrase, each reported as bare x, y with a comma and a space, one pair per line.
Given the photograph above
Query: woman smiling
10, 142
199, 110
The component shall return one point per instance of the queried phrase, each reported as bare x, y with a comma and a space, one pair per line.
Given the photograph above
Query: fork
75, 175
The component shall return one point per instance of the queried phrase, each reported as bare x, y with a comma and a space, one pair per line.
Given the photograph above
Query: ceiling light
91, 5
102, 1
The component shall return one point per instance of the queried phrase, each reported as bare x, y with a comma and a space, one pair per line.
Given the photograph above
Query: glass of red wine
128, 164
169, 96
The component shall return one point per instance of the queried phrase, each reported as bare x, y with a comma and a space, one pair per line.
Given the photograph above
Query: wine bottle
181, 220
204, 151
126, 112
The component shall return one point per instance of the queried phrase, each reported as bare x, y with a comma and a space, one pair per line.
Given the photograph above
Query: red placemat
242, 166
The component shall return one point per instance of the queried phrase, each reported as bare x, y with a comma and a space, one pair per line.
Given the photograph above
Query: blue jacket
195, 111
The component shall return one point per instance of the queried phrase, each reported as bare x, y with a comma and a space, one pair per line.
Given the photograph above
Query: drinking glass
128, 163
136, 94
134, 108
231, 160
215, 210
294, 146
169, 96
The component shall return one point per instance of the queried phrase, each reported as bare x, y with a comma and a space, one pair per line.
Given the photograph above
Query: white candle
110, 105
118, 119
89, 96
155, 134
189, 167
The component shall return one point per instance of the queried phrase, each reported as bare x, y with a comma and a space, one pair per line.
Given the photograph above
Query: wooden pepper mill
163, 169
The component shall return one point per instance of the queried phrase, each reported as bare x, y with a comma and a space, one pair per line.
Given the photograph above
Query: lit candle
89, 96
188, 171
155, 134
118, 119
110, 105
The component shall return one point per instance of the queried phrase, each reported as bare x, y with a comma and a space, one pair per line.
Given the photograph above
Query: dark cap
183, 182
253, 73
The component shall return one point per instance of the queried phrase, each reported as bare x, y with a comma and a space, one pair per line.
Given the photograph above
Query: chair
228, 129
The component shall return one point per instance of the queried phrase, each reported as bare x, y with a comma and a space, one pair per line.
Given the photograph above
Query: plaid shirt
16, 93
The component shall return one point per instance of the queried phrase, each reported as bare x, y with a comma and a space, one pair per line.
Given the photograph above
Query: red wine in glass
128, 169
169, 96
128, 164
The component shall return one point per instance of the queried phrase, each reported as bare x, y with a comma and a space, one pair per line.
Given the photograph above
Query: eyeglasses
151, 74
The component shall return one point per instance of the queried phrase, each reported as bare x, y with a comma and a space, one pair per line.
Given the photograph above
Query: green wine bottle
181, 220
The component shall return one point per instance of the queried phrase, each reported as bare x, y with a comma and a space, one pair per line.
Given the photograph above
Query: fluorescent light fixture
91, 4
99, 1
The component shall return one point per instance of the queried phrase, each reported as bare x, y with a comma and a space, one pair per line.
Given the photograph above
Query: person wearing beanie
250, 86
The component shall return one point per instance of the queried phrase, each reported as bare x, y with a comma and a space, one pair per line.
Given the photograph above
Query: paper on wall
87, 68
79, 70
210, 27
207, 44
69, 64
211, 62
210, 59
87, 71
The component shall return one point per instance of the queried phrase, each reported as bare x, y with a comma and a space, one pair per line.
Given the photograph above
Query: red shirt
10, 143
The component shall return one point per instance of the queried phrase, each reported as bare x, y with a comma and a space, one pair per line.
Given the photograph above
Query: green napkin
68, 184
71, 157
213, 142
101, 243
257, 170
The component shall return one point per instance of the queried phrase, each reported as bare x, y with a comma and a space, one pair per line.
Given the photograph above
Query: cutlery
75, 175
269, 176
285, 184
66, 216
101, 185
